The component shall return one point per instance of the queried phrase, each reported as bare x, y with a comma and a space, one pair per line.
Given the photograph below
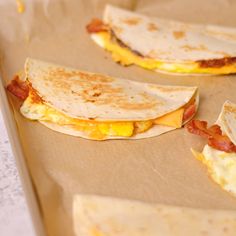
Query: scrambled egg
126, 57
221, 166
97, 129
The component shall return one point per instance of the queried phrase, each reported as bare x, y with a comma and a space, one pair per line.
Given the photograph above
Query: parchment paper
158, 170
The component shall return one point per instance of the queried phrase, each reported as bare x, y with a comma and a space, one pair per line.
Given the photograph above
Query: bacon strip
96, 25
217, 63
222, 143
18, 88
213, 134
189, 112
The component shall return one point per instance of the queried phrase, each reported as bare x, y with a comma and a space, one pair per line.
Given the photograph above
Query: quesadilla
99, 107
165, 45
219, 155
105, 216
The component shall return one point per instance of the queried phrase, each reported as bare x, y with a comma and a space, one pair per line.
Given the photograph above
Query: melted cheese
97, 129
126, 57
221, 166
169, 121
20, 6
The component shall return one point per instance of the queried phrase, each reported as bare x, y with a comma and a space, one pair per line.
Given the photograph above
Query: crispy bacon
217, 63
189, 112
18, 88
200, 128
215, 129
96, 25
35, 98
213, 134
222, 143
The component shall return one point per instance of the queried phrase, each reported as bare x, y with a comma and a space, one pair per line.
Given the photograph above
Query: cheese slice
175, 119
36, 110
126, 57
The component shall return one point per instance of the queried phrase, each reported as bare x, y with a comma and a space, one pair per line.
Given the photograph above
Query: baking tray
26, 181
152, 170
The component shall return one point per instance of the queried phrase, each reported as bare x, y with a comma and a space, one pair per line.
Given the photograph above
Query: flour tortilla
227, 120
103, 216
170, 41
87, 96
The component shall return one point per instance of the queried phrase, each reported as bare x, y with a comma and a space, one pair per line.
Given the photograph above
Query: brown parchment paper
156, 170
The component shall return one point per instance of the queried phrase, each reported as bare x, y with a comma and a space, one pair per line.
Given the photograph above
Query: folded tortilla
100, 107
165, 45
221, 163
104, 216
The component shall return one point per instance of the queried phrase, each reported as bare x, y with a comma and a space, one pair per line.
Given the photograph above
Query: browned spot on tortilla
228, 36
230, 109
170, 89
178, 34
90, 100
97, 94
101, 94
137, 106
96, 89
204, 48
217, 63
83, 76
63, 84
152, 27
192, 48
115, 97
155, 54
95, 77
132, 20
146, 97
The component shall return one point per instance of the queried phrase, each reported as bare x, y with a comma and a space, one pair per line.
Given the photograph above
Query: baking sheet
26, 182
156, 170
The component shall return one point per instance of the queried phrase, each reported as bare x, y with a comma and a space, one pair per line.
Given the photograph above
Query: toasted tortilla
85, 95
227, 120
102, 216
176, 47
98, 98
